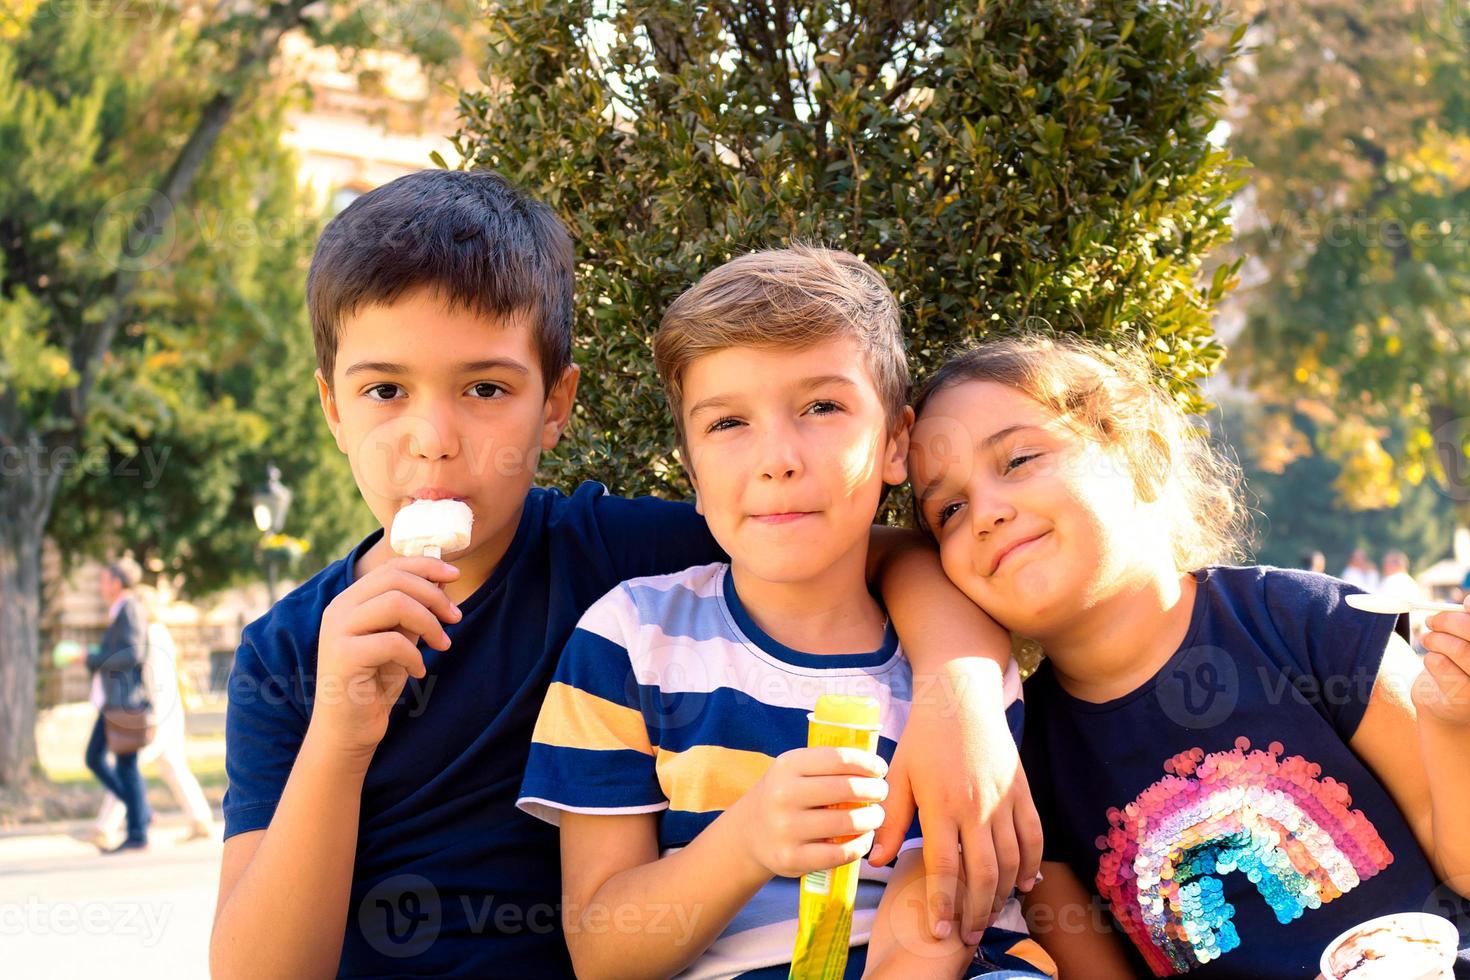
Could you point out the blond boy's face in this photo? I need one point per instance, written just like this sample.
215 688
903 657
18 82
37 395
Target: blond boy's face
428 402
789 451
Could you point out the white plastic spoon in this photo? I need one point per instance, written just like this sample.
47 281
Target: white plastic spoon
1390 605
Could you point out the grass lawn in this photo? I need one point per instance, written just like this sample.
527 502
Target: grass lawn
78 794
209 770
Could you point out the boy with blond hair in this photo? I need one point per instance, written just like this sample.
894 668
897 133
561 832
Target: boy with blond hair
670 747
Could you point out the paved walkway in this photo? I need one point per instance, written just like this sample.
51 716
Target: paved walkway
67 911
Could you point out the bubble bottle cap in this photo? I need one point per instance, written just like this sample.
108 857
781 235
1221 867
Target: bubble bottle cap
848 710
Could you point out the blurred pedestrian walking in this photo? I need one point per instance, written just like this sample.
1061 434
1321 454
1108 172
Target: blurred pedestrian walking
120 695
167 747
1360 571
1398 583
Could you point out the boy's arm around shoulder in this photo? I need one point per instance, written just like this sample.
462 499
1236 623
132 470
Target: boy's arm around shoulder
984 825
284 890
651 536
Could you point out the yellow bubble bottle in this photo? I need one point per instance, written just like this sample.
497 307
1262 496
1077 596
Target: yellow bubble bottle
824 912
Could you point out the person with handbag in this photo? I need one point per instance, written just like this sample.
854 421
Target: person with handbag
124 722
168 749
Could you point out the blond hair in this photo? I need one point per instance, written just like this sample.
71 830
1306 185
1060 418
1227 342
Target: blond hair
1110 396
793 298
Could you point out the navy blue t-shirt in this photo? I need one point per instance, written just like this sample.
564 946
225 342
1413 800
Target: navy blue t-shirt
450 878
1218 808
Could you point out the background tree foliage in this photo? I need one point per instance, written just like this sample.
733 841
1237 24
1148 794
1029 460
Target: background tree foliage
210 385
150 267
998 161
1293 500
1357 121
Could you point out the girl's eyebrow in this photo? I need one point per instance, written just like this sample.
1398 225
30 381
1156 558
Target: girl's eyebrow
989 442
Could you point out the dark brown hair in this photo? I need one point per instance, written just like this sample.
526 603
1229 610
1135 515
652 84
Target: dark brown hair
470 235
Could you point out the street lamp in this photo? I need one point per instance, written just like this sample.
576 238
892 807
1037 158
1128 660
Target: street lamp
270 504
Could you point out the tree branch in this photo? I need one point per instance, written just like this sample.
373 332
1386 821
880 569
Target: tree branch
670 52
93 343
10 420
774 49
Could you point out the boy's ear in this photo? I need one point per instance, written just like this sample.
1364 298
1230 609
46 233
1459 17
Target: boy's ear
896 453
681 453
557 411
329 408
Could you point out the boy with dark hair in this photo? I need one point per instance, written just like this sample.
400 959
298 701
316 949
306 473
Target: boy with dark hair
380 715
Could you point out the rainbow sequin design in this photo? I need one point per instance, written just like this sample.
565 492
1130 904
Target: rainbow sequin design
1272 819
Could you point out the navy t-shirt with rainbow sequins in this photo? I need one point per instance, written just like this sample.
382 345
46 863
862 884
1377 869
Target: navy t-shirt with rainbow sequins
1218 808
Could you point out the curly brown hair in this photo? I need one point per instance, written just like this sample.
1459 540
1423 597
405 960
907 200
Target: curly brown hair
1109 395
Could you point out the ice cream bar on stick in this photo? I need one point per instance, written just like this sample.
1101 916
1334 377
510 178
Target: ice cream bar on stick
431 527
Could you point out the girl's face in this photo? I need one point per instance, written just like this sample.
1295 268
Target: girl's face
1035 521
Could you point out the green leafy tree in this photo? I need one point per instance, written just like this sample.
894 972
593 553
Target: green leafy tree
171 472
1002 163
1357 121
128 323
1298 510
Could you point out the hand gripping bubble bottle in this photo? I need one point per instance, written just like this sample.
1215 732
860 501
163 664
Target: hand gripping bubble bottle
824 912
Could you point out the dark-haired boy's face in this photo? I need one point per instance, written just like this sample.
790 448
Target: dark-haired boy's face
431 402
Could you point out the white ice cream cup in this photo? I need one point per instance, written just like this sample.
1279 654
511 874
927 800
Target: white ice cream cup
1402 946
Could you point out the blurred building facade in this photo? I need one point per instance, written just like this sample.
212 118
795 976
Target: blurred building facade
368 123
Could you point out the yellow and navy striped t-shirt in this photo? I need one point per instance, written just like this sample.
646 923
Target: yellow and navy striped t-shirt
669 699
